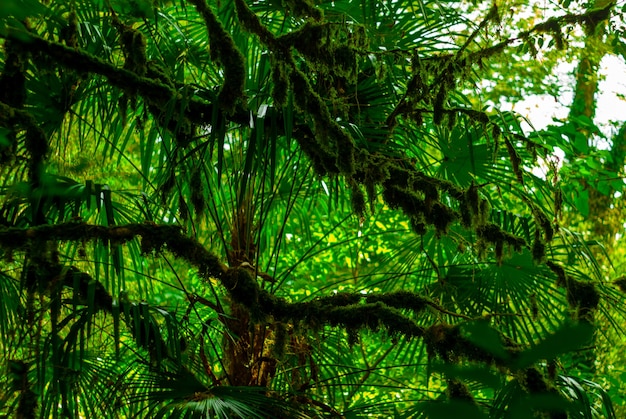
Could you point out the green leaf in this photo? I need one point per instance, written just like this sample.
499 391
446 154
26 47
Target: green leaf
567 339
582 202
485 337
482 375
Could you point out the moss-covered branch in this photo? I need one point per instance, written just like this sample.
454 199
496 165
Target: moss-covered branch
224 50
153 90
352 311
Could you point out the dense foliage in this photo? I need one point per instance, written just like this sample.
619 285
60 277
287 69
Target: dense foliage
305 209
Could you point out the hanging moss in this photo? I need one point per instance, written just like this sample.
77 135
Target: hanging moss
448 343
357 199
244 290
370 190
252 24
593 18
418 225
457 390
621 283
280 88
396 176
441 217
409 202
197 192
224 50
330 136
428 186
515 159
484 212
69 33
38 148
494 234
534 307
541 219
538 249
183 208
533 381
465 214
345 62
496 132
472 201
558 205
400 299
13 78
583 297
134 48
438 110
304 9
372 317
562 277
280 340
551 26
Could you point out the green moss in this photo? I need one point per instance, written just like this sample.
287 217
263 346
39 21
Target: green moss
280 340
400 299
280 88
418 225
328 134
441 217
13 79
559 271
538 250
583 297
134 47
340 299
533 381
438 110
197 192
244 290
621 283
515 160
224 50
252 23
457 390
357 199
542 221
304 9
493 234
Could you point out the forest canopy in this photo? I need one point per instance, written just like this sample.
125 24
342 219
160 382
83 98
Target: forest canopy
308 208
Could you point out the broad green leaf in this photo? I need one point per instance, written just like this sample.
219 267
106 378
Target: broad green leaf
568 338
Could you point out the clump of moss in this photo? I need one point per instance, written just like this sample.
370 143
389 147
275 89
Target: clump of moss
280 340
13 78
197 192
538 249
304 9
448 343
244 290
357 198
224 51
583 297
541 219
493 234
400 299
457 390
280 87
441 217
515 160
621 283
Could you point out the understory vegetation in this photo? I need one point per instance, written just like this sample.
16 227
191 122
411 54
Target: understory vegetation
308 209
